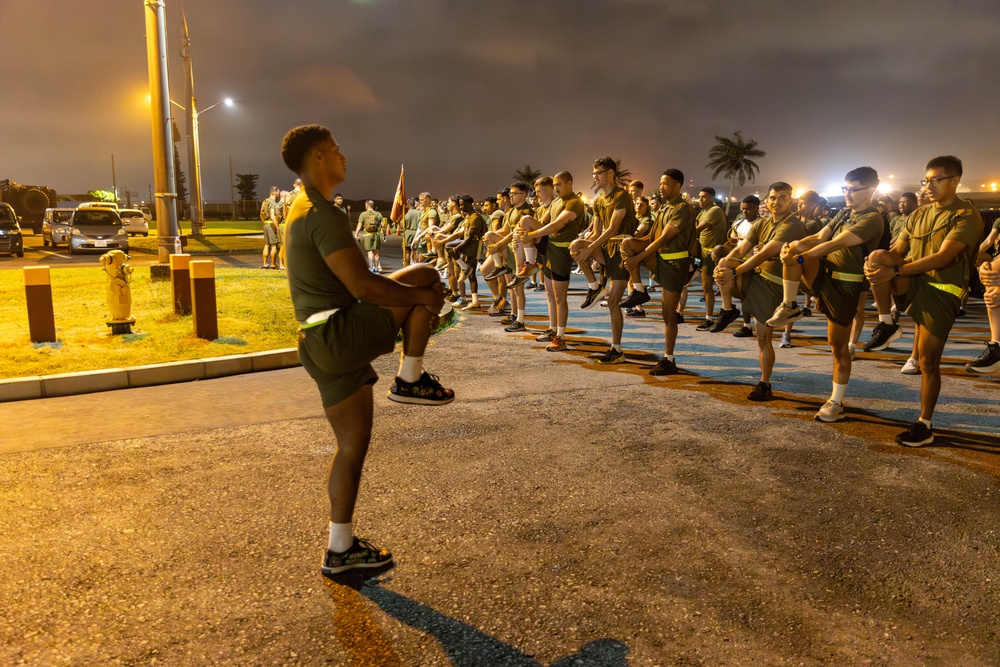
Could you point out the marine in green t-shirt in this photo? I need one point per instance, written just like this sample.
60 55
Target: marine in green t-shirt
713 230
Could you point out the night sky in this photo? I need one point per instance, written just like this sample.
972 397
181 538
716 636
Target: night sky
465 92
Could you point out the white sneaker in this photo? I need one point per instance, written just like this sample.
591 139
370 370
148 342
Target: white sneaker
783 315
852 349
830 412
911 367
786 340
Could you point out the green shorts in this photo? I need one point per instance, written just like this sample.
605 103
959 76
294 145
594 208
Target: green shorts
558 262
371 241
338 353
838 299
672 275
614 268
706 260
930 307
760 296
408 237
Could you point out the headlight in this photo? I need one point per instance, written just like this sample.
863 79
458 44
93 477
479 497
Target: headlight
77 232
121 232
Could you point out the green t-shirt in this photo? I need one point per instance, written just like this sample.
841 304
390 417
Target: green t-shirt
929 226
715 234
371 221
473 227
428 217
314 230
412 220
679 214
604 209
868 225
764 230
513 216
496 220
572 228
813 225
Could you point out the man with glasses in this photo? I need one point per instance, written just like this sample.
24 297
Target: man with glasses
614 218
831 264
757 280
927 274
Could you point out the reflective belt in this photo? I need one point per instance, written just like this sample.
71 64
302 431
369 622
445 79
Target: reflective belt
950 289
847 277
674 255
559 244
770 276
317 319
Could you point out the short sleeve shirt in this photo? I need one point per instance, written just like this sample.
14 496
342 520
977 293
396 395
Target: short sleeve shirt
412 219
371 221
496 220
679 214
572 228
764 230
314 230
868 225
605 206
513 216
715 233
428 217
929 226
473 227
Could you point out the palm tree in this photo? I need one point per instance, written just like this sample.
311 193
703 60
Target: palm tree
622 176
733 160
528 175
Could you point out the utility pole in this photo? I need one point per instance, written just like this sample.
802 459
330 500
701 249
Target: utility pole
232 186
114 180
163 163
194 157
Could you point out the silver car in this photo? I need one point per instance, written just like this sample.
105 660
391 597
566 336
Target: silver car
135 222
55 225
97 229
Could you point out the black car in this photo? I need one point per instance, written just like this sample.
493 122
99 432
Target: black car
11 240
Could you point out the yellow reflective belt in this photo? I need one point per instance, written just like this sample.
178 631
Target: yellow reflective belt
950 289
560 244
770 276
847 277
674 255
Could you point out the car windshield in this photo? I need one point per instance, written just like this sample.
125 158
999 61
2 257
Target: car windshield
132 214
7 219
62 216
95 218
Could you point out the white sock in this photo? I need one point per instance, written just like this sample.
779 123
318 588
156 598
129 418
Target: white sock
639 287
885 319
838 392
530 254
410 368
520 315
926 422
593 285
617 346
341 536
461 263
670 357
497 262
561 332
789 290
475 297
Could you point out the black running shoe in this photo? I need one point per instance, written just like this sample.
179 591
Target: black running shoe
743 332
663 367
917 435
680 318
987 362
593 297
612 356
425 391
514 327
725 319
762 392
636 298
882 335
705 325
496 273
360 554
546 336
635 312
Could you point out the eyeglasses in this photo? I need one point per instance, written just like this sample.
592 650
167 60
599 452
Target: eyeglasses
600 171
936 181
850 191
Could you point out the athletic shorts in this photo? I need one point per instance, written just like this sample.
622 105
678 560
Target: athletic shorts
558 262
338 353
760 295
930 307
468 249
672 275
408 237
372 241
838 299
270 237
706 260
614 268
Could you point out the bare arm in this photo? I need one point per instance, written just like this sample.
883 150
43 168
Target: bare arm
552 227
351 269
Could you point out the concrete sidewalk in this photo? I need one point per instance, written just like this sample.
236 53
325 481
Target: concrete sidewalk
557 513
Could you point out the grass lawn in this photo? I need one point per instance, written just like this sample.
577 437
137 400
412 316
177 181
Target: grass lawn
221 237
254 309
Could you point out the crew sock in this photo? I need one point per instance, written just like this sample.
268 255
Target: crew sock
789 290
885 319
410 368
341 536
839 390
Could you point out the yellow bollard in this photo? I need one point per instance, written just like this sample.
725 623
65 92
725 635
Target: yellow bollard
180 283
38 292
203 306
115 264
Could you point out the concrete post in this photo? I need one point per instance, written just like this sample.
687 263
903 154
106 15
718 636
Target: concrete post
203 306
38 292
180 283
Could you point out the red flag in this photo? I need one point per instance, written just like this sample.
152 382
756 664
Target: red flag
399 201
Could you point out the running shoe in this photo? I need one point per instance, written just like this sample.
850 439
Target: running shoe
705 325
425 391
831 411
612 356
496 273
636 298
663 367
546 336
540 287
558 344
474 306
726 318
466 273
680 318
593 297
635 312
743 332
783 315
507 321
762 392
515 327
916 436
806 312
988 361
882 335
911 367
361 553
786 339
852 350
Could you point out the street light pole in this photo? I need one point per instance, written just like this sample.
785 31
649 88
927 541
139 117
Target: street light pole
194 158
232 191
159 95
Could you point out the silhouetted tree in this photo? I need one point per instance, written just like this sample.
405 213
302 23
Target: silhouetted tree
732 158
527 174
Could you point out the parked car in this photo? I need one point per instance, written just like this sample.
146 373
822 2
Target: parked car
96 229
55 225
11 240
135 222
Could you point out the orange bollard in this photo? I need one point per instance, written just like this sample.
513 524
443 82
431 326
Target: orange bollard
203 306
180 283
38 292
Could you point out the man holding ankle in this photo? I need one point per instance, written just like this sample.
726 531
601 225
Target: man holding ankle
348 317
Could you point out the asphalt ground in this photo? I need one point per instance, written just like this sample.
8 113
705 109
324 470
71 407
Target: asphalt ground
557 513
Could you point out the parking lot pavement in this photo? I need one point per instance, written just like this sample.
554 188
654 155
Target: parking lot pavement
557 513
